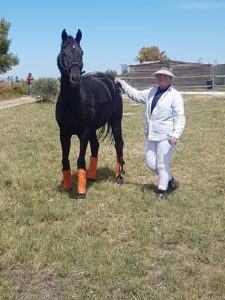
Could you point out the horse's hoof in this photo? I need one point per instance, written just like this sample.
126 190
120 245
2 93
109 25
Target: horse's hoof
119 180
81 197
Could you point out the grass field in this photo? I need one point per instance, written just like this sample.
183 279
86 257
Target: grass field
119 243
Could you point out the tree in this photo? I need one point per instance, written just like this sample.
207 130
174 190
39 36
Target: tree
151 54
111 72
125 71
7 60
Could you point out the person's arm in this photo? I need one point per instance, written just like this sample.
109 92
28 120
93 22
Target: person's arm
132 93
178 118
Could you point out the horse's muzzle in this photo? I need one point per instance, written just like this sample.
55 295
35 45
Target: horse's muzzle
75 81
75 75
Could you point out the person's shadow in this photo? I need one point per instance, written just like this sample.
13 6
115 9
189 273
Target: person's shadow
145 187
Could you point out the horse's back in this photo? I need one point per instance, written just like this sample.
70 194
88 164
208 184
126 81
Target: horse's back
99 76
103 95
104 84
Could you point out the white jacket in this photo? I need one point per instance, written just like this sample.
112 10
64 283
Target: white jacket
168 115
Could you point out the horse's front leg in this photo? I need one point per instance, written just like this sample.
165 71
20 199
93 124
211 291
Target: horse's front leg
81 165
94 144
65 140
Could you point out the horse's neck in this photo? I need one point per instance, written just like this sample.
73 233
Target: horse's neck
67 90
65 81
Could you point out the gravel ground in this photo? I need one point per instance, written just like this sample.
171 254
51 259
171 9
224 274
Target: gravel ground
10 103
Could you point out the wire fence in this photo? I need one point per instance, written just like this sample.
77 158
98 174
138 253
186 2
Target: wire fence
4 79
10 79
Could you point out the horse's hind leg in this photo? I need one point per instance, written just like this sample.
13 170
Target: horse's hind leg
65 144
117 134
94 144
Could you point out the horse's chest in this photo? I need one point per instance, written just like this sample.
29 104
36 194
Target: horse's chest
72 119
69 117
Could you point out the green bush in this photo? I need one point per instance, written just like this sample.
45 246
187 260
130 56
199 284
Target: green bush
46 88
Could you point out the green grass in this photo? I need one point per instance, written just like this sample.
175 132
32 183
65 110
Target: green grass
119 243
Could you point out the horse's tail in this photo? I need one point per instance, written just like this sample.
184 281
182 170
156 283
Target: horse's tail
104 132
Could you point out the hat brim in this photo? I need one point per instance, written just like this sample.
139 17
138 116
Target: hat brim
164 72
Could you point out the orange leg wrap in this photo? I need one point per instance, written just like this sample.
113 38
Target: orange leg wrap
81 181
92 168
67 180
119 167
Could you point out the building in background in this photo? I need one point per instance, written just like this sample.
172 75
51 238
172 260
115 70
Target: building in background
188 75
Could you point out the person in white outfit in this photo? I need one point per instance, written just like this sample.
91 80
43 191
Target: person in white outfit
164 124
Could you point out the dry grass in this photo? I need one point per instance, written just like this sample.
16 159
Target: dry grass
12 91
119 243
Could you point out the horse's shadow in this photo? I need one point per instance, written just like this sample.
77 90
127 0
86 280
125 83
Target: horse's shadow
103 175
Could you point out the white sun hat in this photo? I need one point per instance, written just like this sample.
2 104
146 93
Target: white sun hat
165 71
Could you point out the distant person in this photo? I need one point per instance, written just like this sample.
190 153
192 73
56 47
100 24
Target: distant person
30 80
164 124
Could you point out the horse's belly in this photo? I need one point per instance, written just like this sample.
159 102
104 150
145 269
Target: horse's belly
104 115
70 125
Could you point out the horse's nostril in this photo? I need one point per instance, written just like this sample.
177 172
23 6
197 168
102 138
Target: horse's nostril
75 80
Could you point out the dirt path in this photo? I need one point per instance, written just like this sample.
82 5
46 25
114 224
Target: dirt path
222 94
10 103
23 100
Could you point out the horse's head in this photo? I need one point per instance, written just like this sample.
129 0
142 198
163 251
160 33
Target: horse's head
70 57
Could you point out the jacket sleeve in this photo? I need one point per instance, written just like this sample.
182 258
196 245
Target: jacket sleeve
134 94
178 116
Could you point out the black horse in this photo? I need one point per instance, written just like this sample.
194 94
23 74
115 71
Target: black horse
86 103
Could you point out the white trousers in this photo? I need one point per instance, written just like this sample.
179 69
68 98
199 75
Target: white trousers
158 157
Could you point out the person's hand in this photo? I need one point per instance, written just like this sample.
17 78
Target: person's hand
117 81
173 140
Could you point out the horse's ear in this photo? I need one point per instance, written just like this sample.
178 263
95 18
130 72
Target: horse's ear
64 35
78 36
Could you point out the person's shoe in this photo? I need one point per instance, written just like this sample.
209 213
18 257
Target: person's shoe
172 185
161 195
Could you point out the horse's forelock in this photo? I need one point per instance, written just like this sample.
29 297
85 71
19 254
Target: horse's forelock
68 41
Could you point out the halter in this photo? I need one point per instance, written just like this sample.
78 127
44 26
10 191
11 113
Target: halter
73 63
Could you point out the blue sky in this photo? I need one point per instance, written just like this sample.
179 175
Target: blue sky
113 31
